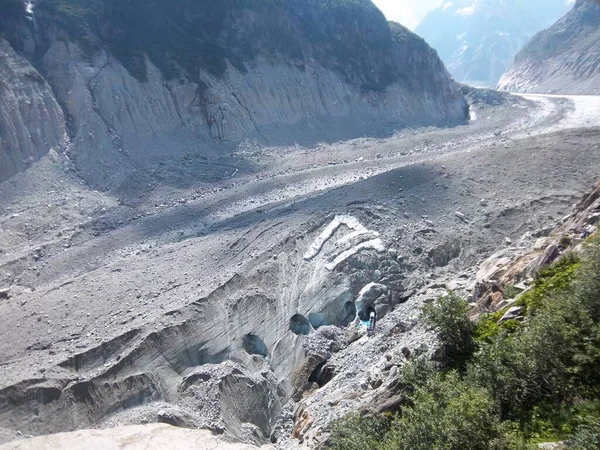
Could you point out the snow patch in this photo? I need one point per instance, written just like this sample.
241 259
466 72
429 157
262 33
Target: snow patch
350 221
472 114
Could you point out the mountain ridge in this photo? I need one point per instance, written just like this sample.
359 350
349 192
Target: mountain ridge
561 59
480 39
126 77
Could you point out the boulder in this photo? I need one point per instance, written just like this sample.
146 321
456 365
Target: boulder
303 424
461 216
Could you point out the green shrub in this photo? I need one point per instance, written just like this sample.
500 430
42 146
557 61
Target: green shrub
488 326
550 281
448 317
447 414
551 422
510 291
586 437
356 432
416 373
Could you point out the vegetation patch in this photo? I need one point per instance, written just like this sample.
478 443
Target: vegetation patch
510 291
489 326
550 281
12 7
183 37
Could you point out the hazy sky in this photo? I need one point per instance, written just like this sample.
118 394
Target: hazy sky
408 12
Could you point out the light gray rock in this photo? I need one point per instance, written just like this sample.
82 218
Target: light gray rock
512 313
133 437
461 216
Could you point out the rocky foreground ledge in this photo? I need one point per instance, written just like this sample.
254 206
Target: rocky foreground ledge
136 437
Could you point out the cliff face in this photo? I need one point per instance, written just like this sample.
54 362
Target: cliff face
31 121
479 39
565 58
143 81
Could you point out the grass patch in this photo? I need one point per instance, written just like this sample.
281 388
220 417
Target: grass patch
549 282
510 291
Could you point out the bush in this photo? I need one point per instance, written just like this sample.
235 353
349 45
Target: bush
356 432
416 373
510 291
507 371
448 317
447 414
552 360
586 437
488 326
550 281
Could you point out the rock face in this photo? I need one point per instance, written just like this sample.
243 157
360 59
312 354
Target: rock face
143 81
31 121
479 39
564 59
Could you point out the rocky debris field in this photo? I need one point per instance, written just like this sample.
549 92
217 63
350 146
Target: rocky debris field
146 437
231 305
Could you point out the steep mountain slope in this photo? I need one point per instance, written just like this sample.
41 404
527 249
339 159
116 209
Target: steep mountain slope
141 82
565 58
31 121
479 39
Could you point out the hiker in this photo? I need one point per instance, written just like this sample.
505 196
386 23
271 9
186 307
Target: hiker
372 323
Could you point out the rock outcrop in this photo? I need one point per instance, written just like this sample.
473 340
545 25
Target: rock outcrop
563 59
143 82
518 269
479 39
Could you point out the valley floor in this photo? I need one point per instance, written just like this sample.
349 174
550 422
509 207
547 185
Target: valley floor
86 269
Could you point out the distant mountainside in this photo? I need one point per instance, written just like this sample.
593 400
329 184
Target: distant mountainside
125 84
478 39
565 58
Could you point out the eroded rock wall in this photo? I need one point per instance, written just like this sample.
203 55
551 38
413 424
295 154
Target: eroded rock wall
31 120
